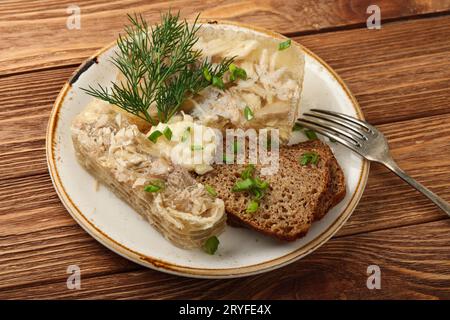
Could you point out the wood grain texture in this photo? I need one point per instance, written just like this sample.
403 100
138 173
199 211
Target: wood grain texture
399 72
414 263
37 31
38 236
400 75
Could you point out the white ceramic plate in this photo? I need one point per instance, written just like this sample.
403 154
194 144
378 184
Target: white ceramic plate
241 252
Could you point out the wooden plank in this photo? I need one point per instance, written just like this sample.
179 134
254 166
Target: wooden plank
414 263
395 76
35 229
27 99
421 153
38 239
55 45
414 83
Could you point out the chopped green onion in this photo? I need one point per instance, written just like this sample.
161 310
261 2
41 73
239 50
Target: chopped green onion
218 82
211 245
252 206
258 194
241 73
248 113
211 190
167 133
224 158
309 158
304 160
236 147
248 171
284 45
195 147
260 184
154 136
297 127
154 186
207 74
254 185
236 72
185 135
315 159
232 69
311 134
243 185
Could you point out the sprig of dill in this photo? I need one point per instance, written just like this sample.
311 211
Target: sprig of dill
160 66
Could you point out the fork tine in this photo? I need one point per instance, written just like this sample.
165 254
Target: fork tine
329 133
356 131
335 129
348 118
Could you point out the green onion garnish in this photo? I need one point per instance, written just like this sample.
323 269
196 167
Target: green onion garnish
236 147
252 206
257 194
211 190
232 69
254 185
195 147
167 133
311 134
185 135
241 73
236 72
248 171
248 113
218 82
284 45
154 186
207 74
297 127
309 158
211 245
260 184
243 185
154 136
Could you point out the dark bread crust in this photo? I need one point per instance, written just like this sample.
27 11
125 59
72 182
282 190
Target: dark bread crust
337 187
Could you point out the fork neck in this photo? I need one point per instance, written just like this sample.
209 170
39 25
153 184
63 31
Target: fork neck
438 201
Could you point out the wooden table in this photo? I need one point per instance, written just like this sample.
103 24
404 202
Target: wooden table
399 74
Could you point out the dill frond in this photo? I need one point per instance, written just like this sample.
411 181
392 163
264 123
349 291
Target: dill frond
160 67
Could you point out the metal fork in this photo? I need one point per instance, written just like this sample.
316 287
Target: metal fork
364 139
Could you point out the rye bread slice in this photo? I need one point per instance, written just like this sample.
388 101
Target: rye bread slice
338 183
295 195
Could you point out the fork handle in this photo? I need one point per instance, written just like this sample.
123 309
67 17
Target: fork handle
441 203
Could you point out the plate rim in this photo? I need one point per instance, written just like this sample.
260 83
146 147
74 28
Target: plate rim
172 268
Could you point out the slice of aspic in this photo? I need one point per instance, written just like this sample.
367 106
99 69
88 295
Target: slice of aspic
109 144
271 90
